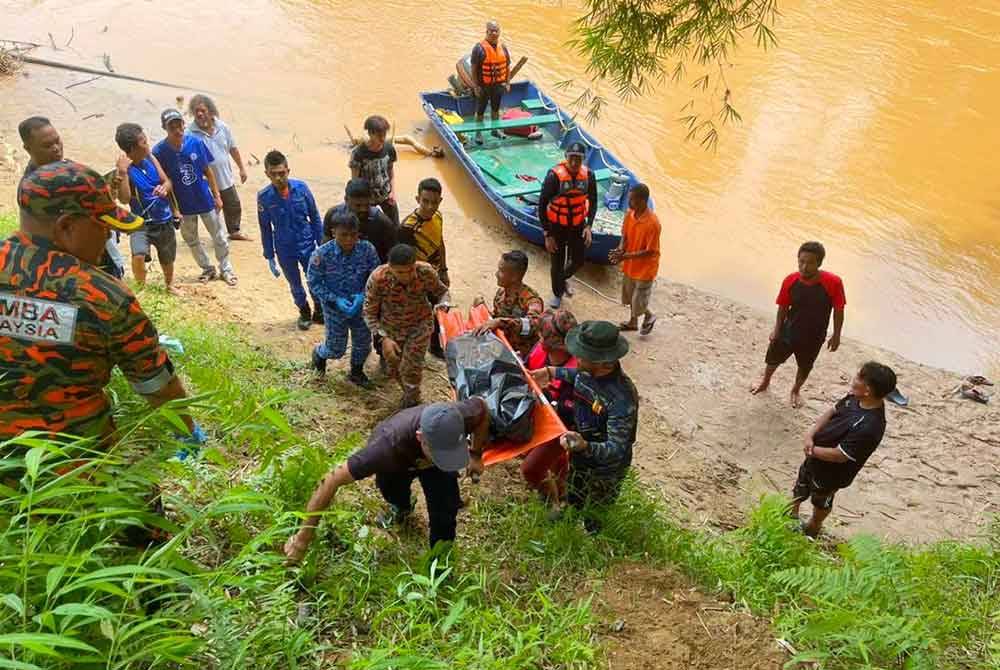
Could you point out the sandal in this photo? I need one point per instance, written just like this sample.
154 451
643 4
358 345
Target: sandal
626 327
647 325
978 380
230 278
437 152
973 393
897 398
207 275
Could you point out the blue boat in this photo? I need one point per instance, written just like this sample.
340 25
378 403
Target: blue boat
509 170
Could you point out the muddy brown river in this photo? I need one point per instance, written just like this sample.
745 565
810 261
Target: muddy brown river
870 127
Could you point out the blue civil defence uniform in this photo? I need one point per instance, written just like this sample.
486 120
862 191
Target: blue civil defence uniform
334 274
290 229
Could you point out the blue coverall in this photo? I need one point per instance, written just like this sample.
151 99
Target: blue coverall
291 229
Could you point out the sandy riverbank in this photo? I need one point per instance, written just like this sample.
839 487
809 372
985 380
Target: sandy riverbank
704 441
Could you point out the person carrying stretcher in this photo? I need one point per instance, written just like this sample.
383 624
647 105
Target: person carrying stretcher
605 417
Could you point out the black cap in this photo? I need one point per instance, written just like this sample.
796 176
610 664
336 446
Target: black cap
576 148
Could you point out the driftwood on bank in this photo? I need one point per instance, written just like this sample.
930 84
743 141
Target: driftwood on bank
89 70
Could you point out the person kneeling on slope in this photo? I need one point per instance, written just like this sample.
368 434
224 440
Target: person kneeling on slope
426 442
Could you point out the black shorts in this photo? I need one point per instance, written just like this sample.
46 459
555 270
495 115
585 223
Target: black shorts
805 352
489 95
807 487
162 236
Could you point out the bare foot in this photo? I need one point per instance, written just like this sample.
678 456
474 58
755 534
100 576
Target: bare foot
796 399
760 387
173 290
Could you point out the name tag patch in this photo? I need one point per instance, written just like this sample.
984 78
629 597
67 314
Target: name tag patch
26 318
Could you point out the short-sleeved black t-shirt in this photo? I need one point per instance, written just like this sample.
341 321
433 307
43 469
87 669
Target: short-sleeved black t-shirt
377 229
809 305
393 446
854 430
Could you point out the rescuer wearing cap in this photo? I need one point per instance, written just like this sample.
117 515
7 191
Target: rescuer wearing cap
426 442
567 206
64 325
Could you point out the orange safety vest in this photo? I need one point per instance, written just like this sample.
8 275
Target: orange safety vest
495 63
571 205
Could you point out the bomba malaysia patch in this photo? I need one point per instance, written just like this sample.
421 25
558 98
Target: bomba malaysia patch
25 318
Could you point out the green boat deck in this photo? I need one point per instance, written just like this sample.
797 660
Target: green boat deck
515 168
536 120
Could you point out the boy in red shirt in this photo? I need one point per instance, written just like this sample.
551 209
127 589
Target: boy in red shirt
804 302
639 254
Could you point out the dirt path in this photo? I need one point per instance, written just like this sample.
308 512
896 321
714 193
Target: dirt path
662 623
704 441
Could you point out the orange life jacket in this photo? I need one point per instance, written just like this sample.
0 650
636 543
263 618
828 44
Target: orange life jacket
495 64
571 205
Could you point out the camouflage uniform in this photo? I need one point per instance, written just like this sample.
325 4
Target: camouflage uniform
65 324
606 415
519 312
404 313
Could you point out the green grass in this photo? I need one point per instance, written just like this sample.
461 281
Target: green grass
511 595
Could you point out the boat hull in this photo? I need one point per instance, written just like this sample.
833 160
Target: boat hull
521 216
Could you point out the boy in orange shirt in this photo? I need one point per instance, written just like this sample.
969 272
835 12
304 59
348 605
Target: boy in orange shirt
639 254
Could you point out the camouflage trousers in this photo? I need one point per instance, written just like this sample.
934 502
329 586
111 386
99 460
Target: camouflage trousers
408 369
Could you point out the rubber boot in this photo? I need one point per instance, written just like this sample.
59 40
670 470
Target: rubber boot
305 318
411 398
435 349
359 378
318 363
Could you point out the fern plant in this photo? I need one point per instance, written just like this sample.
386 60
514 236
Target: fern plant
862 609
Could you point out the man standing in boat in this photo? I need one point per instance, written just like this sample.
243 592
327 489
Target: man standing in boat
567 206
491 69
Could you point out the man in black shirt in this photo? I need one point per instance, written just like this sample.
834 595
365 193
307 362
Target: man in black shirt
426 442
841 442
374 226
373 160
567 206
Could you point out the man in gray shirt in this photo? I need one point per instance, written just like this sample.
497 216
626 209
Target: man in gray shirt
221 143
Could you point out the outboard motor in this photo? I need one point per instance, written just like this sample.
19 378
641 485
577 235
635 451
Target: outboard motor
615 192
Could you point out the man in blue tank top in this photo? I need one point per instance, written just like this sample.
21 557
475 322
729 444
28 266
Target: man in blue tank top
147 190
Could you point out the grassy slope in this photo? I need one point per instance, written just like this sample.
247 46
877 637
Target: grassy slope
509 596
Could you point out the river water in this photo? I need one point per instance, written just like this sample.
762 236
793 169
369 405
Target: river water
870 127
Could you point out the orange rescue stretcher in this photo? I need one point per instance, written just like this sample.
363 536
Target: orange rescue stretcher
548 425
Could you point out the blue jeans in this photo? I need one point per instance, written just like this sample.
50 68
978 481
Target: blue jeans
290 268
338 325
